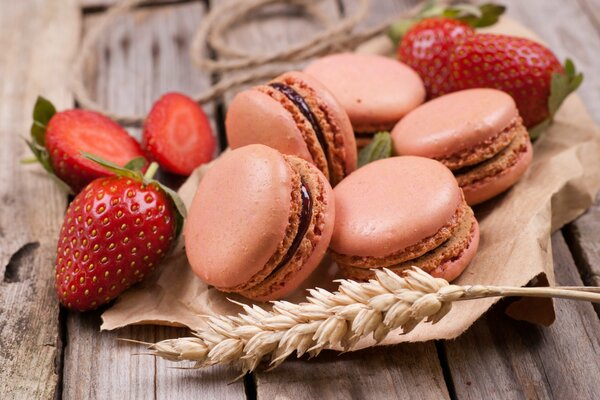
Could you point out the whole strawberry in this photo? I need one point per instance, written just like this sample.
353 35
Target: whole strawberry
59 138
116 231
525 69
427 47
426 41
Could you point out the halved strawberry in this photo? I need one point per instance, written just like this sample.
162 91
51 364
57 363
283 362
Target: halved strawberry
59 138
178 135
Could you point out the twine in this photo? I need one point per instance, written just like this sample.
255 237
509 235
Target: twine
337 35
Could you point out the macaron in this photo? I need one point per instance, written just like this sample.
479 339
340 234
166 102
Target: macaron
399 212
296 115
375 91
260 223
477 133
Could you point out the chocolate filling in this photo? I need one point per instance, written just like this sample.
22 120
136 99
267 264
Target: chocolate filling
299 102
305 217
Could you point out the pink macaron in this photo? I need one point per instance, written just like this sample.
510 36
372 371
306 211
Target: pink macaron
296 115
399 212
260 223
477 133
375 91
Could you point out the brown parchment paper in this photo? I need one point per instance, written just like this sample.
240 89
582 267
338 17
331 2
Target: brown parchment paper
515 245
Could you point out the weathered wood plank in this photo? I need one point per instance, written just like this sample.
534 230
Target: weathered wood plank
143 56
409 371
502 358
37 49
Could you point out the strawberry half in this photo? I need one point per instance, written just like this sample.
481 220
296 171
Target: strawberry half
116 231
177 134
59 138
525 69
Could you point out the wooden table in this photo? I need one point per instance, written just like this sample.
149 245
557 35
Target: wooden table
46 352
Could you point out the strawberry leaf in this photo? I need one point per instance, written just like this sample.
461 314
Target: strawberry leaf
563 84
477 16
137 164
114 168
41 155
379 148
43 111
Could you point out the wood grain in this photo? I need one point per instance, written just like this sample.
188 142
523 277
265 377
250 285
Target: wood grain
143 56
31 206
502 358
402 371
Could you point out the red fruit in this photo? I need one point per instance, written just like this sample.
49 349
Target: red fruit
71 132
178 135
115 232
427 46
518 66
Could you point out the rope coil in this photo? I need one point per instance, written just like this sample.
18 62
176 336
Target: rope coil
337 35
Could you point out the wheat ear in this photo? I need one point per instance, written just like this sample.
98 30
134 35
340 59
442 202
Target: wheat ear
341 318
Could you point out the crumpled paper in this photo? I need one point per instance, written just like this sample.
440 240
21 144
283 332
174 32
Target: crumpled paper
515 247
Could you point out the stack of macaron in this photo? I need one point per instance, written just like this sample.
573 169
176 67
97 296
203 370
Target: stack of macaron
267 211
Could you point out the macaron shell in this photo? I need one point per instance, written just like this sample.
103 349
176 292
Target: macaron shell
328 217
451 270
388 205
254 117
336 114
374 90
493 186
250 185
454 122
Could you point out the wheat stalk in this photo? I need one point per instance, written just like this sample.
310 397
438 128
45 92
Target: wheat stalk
341 318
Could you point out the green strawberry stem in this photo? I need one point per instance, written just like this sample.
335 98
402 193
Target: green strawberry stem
561 86
477 16
151 171
132 170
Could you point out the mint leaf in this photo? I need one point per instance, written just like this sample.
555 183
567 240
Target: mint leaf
379 148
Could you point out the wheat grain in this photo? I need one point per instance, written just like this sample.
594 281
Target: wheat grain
342 318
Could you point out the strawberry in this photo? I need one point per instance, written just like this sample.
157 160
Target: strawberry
426 41
527 70
178 135
427 46
116 231
59 138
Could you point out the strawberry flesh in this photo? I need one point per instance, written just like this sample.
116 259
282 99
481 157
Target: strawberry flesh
116 231
71 132
177 134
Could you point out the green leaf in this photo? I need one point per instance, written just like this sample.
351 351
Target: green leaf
561 85
114 168
136 164
43 111
379 148
477 16
41 155
536 131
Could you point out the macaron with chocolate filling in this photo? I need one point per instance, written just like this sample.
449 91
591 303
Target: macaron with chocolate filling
375 91
399 212
296 115
260 223
477 133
